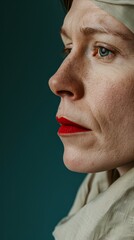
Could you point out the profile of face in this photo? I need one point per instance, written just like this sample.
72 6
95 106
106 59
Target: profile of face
96 85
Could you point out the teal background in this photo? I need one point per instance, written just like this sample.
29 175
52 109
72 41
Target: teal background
36 189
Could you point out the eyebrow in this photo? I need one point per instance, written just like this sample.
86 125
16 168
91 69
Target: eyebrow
87 31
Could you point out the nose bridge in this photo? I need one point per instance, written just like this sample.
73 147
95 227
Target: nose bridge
66 81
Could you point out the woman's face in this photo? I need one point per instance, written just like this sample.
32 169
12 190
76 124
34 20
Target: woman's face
96 85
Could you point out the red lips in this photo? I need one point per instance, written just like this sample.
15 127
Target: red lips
69 127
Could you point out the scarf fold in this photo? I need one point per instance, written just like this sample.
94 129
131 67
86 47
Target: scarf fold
122 10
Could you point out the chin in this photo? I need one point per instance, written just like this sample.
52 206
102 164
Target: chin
88 162
73 161
79 163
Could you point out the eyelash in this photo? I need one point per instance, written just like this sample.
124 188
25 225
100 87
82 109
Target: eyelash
66 51
96 51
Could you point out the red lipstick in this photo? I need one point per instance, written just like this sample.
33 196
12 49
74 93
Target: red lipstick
69 127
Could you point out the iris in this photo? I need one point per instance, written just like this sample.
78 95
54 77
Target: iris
104 52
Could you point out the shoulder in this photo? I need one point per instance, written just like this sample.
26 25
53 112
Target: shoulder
107 215
91 187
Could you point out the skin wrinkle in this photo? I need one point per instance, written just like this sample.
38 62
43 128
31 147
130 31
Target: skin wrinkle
102 90
103 30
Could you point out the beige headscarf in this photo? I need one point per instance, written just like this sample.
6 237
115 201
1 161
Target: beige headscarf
122 10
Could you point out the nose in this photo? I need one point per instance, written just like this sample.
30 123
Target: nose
66 82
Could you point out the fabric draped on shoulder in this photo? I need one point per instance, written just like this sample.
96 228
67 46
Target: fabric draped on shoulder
101 211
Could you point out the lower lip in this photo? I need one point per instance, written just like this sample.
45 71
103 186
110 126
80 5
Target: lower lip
68 129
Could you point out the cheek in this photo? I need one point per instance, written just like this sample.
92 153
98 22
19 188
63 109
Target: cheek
113 101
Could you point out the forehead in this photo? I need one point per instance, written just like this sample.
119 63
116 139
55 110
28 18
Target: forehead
84 13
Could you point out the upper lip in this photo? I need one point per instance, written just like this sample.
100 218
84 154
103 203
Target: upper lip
67 122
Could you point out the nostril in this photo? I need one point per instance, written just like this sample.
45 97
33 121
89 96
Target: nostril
63 93
66 86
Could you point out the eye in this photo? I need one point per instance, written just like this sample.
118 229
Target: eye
103 53
66 51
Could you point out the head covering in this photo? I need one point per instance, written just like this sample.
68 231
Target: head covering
122 10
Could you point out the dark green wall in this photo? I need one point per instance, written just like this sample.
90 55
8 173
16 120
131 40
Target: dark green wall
36 189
